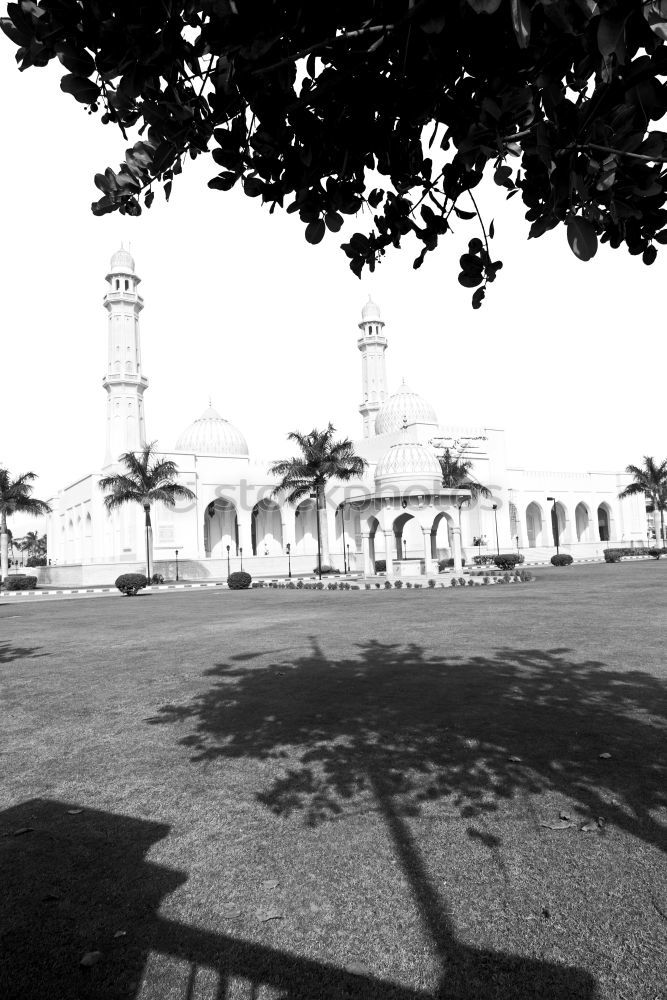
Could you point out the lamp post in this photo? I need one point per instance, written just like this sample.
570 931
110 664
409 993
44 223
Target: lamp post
405 548
176 551
518 551
288 549
554 522
349 568
341 509
495 517
228 566
241 555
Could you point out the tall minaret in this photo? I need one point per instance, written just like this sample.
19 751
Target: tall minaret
124 383
372 343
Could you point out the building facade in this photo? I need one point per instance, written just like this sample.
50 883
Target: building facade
397 512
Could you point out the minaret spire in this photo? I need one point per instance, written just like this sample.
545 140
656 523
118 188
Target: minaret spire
372 343
124 382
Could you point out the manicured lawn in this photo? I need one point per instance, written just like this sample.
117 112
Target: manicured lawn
332 795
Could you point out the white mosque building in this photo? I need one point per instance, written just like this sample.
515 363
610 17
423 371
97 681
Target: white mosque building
399 512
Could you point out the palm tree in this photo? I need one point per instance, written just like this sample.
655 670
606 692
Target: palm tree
651 481
322 460
31 542
456 475
146 479
16 498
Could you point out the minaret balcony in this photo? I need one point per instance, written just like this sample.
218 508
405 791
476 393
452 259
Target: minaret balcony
115 297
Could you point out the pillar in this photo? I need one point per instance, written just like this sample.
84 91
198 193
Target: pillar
428 557
456 548
389 541
369 568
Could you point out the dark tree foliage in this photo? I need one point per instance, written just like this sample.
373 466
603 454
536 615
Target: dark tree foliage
386 109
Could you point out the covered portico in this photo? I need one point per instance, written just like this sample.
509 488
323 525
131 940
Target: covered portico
408 509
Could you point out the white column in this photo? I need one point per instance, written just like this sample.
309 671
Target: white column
428 558
389 549
369 568
456 548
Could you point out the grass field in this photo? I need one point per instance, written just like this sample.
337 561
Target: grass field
310 795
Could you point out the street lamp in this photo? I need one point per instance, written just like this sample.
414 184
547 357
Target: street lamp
495 517
518 551
554 522
176 551
288 549
341 510
405 548
241 555
349 568
228 566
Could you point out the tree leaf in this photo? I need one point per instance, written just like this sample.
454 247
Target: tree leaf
77 61
90 958
582 238
333 221
84 90
315 231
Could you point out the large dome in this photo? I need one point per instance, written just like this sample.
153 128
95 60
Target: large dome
211 434
410 463
403 409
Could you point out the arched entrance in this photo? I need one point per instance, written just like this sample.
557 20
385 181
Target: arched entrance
582 522
604 522
221 528
441 536
534 525
408 538
305 529
266 529
373 525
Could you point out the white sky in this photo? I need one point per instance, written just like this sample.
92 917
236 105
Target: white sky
567 357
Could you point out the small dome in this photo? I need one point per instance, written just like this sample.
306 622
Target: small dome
412 463
370 312
403 409
211 434
122 260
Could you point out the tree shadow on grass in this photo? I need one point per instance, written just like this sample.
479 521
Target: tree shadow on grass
72 880
393 728
9 652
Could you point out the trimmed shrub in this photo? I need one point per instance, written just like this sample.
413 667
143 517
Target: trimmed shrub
332 586
355 586
299 584
131 583
471 582
638 551
36 561
380 565
611 556
20 582
562 559
156 578
327 569
398 584
319 585
431 583
291 585
378 585
409 585
485 579
387 584
448 564
239 581
656 553
455 582
525 575
508 560
366 585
